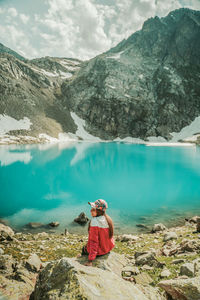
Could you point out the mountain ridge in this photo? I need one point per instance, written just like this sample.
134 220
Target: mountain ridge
146 86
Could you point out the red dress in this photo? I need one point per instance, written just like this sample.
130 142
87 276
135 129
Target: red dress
99 242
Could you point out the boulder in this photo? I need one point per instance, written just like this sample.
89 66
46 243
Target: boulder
158 227
170 236
68 279
81 219
182 289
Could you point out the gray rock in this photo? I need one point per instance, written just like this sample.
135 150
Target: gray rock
82 219
33 263
129 271
178 261
187 289
129 237
158 227
165 273
146 259
54 224
188 269
170 236
68 279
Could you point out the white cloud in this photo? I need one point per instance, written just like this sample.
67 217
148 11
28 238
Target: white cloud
12 11
24 18
81 28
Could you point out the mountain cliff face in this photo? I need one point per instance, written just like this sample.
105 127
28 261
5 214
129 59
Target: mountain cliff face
148 85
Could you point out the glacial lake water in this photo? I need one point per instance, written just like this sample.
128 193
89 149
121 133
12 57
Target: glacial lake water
141 184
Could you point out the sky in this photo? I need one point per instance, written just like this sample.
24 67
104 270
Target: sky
76 28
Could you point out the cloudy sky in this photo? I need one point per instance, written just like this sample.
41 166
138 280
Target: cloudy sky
76 28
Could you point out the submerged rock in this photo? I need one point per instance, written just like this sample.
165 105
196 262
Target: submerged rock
34 225
82 219
54 224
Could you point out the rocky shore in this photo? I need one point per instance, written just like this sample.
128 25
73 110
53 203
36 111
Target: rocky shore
163 264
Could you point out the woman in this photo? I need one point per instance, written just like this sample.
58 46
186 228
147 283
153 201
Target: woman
101 230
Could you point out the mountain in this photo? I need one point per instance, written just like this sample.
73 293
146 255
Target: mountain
146 86
30 91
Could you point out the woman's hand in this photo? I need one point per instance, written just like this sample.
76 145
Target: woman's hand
88 263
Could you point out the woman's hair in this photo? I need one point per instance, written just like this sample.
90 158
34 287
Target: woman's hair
109 220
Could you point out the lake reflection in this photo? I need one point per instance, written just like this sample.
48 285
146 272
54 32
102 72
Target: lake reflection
54 182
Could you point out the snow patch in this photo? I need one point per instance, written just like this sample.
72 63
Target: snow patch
116 55
111 86
130 139
8 123
127 95
65 75
81 132
168 144
187 131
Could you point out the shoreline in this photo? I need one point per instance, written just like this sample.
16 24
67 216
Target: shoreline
7 140
155 256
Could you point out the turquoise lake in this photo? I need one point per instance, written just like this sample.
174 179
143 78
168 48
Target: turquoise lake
141 184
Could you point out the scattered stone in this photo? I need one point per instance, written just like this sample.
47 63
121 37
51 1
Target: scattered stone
1 251
178 261
183 289
193 219
158 227
147 258
187 269
129 237
143 279
170 236
54 224
81 219
129 271
198 224
33 263
146 268
165 273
